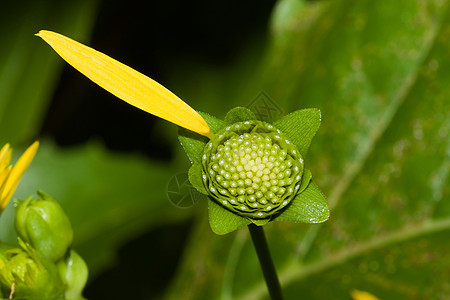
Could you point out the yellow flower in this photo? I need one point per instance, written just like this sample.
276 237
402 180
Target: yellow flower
126 83
9 175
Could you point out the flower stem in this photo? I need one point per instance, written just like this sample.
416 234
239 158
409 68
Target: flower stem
265 260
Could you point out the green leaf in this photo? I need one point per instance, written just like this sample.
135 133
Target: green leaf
195 177
29 72
301 126
239 114
222 221
382 156
193 143
309 206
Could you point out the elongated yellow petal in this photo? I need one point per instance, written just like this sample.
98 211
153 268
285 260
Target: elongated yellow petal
5 156
3 176
126 83
16 173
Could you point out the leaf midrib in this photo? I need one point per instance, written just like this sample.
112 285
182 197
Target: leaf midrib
298 271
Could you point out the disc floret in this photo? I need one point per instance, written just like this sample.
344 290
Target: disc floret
252 169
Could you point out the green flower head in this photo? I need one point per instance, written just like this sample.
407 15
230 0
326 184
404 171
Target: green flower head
253 171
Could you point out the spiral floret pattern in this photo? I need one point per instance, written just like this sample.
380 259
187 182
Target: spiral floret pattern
252 169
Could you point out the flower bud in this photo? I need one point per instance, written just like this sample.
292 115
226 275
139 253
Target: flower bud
4 290
23 275
74 273
43 224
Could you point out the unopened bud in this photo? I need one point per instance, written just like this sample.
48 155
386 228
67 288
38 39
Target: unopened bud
43 224
74 273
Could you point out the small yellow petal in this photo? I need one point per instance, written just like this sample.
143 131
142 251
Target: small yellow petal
3 176
16 173
5 156
126 83
361 295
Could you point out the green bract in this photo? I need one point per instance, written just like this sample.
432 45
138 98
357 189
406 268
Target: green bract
74 274
253 171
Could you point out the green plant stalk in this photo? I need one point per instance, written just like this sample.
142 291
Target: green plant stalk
265 260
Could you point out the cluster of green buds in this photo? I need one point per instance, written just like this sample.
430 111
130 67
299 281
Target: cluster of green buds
44 266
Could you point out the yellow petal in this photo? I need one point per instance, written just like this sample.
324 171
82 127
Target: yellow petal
362 295
3 176
5 156
16 173
126 83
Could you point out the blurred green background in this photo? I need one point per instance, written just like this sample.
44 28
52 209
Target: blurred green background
378 70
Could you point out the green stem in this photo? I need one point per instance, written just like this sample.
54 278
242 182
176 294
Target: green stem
265 260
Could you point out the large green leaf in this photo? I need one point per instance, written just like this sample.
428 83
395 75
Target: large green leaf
379 72
28 71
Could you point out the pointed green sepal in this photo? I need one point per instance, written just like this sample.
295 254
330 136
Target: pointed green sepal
222 221
300 126
260 222
195 178
239 114
306 179
310 206
193 143
5 247
214 123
